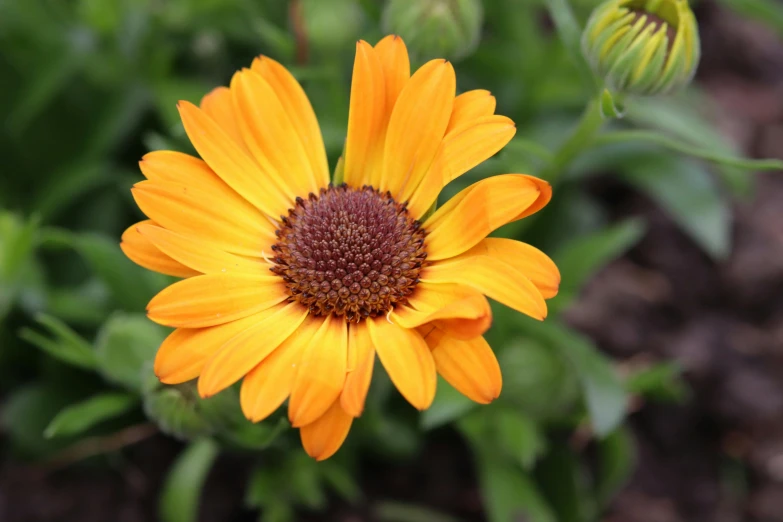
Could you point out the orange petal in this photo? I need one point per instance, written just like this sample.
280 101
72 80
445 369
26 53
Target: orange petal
493 278
456 308
143 252
475 212
532 262
361 359
231 162
212 299
470 366
199 255
267 385
396 66
185 351
297 106
460 151
321 373
407 360
417 126
225 223
219 105
245 351
323 437
469 107
366 118
271 137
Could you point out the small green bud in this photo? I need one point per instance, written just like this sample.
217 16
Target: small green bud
331 26
643 47
180 412
435 28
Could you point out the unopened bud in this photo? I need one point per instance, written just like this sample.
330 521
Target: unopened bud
643 47
435 28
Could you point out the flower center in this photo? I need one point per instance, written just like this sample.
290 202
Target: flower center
349 252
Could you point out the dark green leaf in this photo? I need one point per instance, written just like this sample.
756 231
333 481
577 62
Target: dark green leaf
604 394
617 458
66 345
125 344
179 501
82 416
580 259
660 382
519 436
688 194
510 494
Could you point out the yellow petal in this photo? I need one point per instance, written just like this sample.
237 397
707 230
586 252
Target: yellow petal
465 313
417 126
183 169
361 359
271 137
475 212
143 252
366 118
224 223
468 365
219 105
185 351
246 350
299 110
323 437
460 151
232 163
321 374
393 56
493 278
469 107
545 194
532 262
212 299
199 255
269 384
407 360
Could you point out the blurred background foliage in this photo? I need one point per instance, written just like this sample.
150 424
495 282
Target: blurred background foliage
89 86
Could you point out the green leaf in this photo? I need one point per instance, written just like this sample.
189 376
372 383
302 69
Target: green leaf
26 413
17 240
510 494
449 404
580 259
604 394
67 345
519 436
179 501
688 194
124 345
660 382
341 480
80 417
403 512
616 457
768 12
130 285
253 436
561 477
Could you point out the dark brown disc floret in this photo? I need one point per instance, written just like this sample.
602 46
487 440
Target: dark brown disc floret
349 252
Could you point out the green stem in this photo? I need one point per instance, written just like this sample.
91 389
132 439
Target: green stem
581 137
690 150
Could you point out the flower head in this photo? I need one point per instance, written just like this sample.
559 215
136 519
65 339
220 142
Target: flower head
294 285
644 47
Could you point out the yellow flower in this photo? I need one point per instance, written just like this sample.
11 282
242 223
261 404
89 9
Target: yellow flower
294 285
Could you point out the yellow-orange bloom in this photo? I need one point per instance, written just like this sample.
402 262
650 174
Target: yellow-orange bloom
293 285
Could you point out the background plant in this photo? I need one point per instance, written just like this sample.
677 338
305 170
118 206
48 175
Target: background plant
89 86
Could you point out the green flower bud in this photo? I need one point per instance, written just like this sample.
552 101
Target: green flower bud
180 412
435 28
644 47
